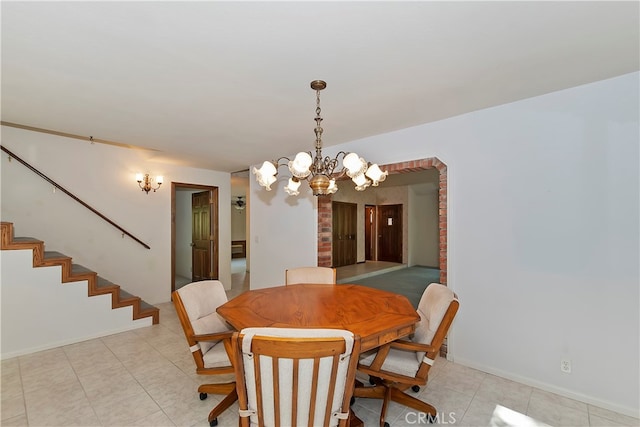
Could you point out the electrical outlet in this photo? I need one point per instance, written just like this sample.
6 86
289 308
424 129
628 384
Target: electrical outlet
565 366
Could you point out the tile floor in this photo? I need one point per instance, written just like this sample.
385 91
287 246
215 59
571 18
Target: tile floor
146 377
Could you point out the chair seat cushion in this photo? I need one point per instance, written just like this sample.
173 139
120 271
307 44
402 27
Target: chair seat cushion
216 356
397 361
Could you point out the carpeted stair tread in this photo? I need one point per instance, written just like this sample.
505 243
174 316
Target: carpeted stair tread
102 282
54 255
79 269
144 306
26 239
124 295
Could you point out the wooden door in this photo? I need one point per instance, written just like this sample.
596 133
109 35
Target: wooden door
369 232
390 233
344 233
202 244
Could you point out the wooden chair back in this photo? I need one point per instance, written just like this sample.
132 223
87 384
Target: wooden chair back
201 324
295 377
209 340
324 275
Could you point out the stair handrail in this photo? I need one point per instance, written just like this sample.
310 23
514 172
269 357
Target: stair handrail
73 196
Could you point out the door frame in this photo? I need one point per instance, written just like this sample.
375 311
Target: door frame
371 242
214 226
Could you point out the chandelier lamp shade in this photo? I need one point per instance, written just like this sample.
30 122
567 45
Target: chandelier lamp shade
144 182
320 172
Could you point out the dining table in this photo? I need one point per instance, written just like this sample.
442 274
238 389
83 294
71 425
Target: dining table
377 316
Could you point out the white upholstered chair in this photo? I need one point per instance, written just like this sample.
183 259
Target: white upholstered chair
209 339
324 275
401 364
295 377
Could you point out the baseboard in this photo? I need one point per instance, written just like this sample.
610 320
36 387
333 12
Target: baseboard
141 324
632 412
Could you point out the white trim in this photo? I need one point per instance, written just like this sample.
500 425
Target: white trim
141 323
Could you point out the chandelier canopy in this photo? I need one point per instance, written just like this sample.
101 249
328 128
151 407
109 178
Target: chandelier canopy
321 173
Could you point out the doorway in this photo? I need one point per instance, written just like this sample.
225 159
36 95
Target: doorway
369 233
325 232
345 230
194 233
390 233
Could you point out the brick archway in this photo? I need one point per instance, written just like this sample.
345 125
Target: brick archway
325 223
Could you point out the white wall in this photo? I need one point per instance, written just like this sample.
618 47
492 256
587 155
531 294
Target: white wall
104 177
40 312
423 225
238 224
543 200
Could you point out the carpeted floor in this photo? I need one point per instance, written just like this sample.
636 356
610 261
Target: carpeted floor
410 282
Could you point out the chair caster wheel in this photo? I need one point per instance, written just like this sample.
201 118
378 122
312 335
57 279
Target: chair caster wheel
415 388
352 401
203 396
372 380
213 422
386 424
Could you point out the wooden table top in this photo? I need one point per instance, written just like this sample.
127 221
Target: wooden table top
377 316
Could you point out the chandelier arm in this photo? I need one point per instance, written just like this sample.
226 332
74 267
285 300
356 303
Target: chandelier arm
277 163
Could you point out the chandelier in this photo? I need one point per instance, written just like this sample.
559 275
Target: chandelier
321 173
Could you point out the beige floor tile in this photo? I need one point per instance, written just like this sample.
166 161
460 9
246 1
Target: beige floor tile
192 412
167 393
98 385
447 401
504 392
12 406
542 397
126 409
157 419
556 413
19 421
597 413
9 367
461 380
61 407
11 383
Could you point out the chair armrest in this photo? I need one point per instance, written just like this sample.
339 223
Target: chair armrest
214 337
391 376
412 346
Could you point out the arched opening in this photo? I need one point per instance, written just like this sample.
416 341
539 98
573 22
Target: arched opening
325 223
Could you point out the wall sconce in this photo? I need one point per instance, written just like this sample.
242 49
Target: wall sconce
239 204
144 182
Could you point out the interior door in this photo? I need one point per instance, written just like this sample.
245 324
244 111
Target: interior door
344 233
202 244
369 232
390 233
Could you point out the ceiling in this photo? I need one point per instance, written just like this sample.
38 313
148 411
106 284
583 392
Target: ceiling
224 85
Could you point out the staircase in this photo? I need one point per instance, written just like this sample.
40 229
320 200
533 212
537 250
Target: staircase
75 273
